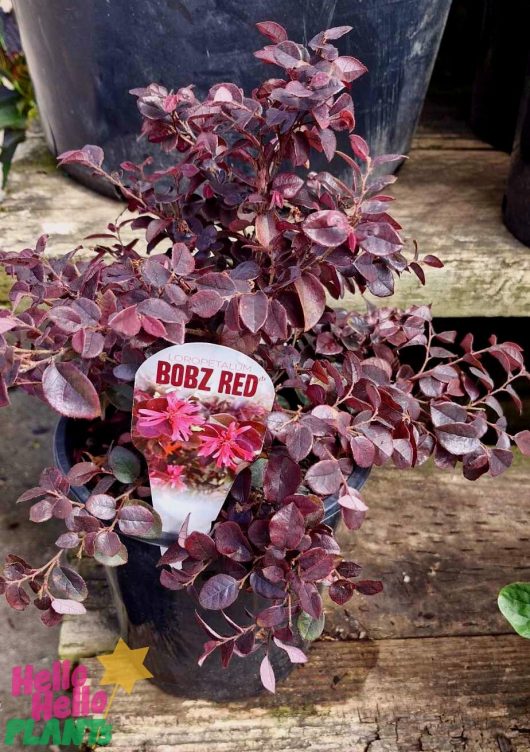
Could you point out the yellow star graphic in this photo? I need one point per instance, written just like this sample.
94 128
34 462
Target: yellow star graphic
124 667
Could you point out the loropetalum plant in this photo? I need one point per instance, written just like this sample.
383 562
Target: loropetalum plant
244 246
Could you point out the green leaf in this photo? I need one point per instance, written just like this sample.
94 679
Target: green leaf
125 465
12 138
309 628
112 561
257 470
121 396
11 117
514 604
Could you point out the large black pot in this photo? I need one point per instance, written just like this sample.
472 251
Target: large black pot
85 56
502 54
151 615
516 206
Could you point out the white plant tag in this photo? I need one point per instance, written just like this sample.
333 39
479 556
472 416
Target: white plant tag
199 418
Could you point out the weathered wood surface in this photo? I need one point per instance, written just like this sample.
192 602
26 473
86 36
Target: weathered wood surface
385 696
443 547
449 197
436 669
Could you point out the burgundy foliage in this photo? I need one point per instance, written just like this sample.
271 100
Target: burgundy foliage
245 245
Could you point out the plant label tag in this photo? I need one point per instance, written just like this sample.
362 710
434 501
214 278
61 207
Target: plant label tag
199 418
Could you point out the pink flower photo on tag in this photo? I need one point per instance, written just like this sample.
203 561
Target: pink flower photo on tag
199 418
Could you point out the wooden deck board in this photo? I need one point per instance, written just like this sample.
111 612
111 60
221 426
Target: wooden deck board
437 667
443 546
449 197
384 696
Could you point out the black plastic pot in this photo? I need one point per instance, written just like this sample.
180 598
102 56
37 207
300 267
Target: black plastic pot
84 57
502 54
151 615
516 206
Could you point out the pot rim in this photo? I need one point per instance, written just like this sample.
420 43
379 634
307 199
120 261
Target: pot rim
63 463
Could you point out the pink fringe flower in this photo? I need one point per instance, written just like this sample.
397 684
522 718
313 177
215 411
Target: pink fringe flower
226 444
183 416
173 476
154 421
169 417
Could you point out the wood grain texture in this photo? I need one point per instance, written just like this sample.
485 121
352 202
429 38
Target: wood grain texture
436 669
449 201
449 198
385 696
443 546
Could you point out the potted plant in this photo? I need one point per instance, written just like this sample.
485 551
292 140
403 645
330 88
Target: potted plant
515 206
111 47
244 246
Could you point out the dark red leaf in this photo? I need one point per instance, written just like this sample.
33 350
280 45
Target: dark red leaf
231 542
182 260
272 31
363 451
87 343
310 599
299 441
70 392
107 543
126 322
16 597
253 310
102 506
206 303
341 591
282 477
172 580
327 228
68 540
134 519
64 582
316 564
369 587
273 616
325 477
349 569
287 527
266 673
200 546
81 473
522 439
219 592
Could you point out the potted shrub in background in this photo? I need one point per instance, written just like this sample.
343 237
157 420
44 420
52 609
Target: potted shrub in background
500 70
516 211
111 47
245 243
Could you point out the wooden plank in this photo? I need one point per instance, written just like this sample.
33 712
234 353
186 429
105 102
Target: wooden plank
40 199
443 546
449 196
449 201
441 671
391 695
